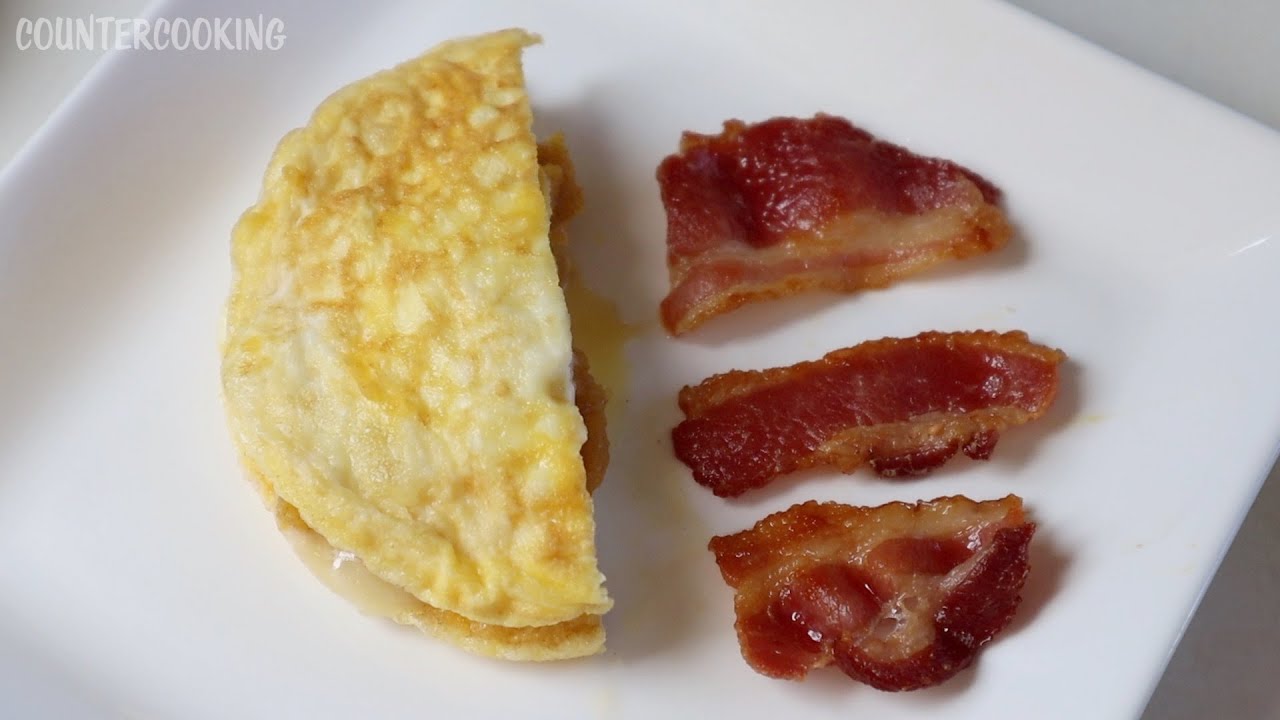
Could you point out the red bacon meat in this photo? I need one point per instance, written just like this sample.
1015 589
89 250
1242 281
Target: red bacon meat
786 205
899 596
904 406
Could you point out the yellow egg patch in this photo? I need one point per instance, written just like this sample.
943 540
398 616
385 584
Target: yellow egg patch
397 357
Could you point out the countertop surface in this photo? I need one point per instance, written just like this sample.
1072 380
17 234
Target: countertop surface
1227 50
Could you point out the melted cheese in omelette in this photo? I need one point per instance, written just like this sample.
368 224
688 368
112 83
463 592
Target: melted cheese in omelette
397 352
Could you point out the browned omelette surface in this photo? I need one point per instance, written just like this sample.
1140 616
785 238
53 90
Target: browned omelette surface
397 358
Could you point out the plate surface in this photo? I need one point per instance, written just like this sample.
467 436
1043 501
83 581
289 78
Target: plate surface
143 578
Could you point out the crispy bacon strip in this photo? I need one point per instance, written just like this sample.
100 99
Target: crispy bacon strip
905 406
786 205
899 596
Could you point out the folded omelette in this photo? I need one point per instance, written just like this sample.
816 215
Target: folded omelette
398 368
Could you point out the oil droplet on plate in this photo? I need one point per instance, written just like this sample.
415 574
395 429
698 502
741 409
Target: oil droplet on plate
599 331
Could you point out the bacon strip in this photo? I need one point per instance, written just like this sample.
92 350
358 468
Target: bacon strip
905 406
899 596
787 205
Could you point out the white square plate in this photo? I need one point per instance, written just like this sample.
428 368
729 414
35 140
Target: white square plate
141 577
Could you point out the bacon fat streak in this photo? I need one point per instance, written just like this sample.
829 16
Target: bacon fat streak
786 205
904 406
899 596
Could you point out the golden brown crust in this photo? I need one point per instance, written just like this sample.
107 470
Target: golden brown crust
564 191
564 197
591 399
